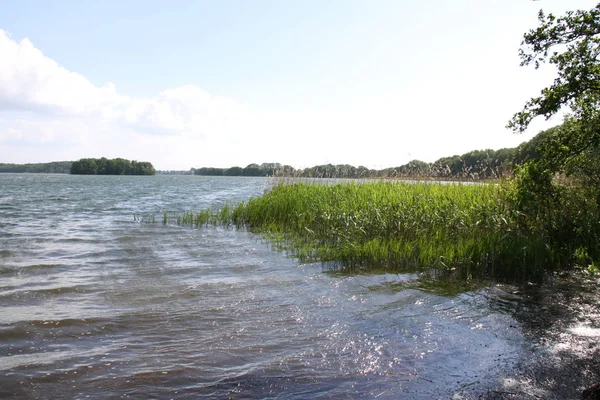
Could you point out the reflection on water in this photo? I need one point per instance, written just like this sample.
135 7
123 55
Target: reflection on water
96 305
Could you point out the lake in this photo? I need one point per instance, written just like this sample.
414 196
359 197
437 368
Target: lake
98 304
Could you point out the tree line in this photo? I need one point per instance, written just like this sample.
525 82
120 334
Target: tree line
116 166
55 167
474 165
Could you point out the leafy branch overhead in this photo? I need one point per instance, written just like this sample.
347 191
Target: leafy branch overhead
572 43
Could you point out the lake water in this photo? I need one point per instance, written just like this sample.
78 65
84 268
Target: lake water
96 304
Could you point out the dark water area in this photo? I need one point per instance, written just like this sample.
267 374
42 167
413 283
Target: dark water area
96 304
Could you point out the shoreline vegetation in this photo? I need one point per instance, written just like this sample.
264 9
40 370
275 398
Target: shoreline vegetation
540 216
116 166
84 166
55 167
476 165
543 213
545 217
464 230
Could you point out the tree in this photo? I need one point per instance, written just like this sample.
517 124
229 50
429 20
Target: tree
234 171
572 44
85 166
269 169
577 86
567 218
252 170
117 166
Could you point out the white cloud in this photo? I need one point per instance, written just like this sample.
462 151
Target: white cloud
32 82
44 104
44 132
184 110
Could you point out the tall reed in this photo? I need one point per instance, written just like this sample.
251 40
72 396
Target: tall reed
468 228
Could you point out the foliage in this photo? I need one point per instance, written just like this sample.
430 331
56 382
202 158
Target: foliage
117 166
234 171
566 217
85 166
209 171
265 169
474 165
393 226
564 212
486 231
572 44
517 229
56 167
477 164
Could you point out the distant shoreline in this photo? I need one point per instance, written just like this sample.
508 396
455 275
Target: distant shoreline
476 165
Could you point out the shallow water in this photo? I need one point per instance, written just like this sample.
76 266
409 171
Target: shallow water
95 304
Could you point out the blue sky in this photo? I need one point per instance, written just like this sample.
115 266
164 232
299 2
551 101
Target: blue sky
220 83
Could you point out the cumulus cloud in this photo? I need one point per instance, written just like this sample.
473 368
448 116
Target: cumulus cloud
186 110
44 106
32 82
64 132
194 120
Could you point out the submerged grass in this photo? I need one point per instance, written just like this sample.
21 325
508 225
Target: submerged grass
470 230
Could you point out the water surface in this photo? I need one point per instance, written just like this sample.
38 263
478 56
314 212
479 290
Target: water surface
96 304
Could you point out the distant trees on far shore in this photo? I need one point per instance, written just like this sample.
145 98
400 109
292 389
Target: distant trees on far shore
116 166
474 165
265 169
55 167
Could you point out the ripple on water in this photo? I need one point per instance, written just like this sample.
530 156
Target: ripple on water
7 253
97 305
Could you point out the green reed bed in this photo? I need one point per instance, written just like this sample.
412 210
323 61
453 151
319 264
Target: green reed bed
466 228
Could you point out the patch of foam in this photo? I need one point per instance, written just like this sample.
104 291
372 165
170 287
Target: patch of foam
527 386
587 331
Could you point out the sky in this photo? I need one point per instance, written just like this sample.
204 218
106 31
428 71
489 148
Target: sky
226 83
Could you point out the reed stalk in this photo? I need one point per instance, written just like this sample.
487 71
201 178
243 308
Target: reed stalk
472 229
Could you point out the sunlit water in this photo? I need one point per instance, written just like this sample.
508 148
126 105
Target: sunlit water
96 304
